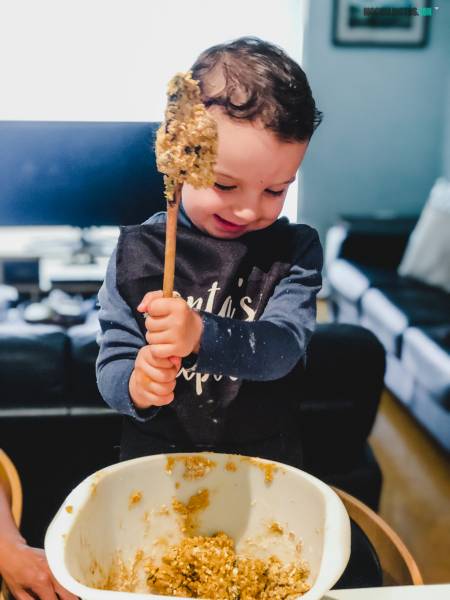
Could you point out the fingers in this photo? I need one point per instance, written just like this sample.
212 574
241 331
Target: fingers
62 592
146 353
162 330
164 376
153 323
152 400
160 351
45 592
159 354
146 397
142 391
157 388
161 307
32 576
148 299
173 328
157 382
43 585
160 389
20 594
162 337
153 380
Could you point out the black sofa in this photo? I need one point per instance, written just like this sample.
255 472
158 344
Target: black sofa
412 320
58 430
53 422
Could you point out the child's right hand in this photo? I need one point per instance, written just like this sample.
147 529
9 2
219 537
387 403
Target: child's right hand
152 381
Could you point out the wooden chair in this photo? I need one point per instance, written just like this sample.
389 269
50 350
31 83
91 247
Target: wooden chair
397 563
10 481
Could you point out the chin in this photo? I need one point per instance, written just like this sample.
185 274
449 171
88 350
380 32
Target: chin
226 235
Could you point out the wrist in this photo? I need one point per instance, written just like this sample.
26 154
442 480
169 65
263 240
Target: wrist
9 543
198 328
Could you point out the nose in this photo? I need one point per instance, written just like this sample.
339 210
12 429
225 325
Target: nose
246 209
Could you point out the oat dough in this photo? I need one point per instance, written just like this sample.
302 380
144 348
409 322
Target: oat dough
186 143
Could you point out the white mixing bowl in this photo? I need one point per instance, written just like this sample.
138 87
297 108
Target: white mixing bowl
125 511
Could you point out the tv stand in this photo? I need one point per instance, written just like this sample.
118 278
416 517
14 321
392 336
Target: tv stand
68 258
86 251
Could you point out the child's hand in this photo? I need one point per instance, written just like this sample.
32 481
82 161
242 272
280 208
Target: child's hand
27 574
152 381
173 328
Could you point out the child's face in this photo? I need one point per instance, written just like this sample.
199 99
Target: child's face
253 172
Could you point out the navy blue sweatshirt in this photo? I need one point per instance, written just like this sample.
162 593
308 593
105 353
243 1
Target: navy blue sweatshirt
253 348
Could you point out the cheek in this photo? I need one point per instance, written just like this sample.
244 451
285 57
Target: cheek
200 201
272 208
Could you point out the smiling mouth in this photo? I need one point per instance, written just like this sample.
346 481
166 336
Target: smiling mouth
229 225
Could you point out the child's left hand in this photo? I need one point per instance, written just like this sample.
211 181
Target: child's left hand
173 328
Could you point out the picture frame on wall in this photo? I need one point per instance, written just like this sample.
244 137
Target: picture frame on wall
386 23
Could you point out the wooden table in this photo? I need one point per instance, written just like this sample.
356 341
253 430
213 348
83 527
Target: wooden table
408 592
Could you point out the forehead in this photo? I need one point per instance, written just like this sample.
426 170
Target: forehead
252 153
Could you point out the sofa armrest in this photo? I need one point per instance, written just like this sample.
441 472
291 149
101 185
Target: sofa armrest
33 371
8 296
338 393
371 241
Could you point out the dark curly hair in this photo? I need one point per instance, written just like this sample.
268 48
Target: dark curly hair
261 82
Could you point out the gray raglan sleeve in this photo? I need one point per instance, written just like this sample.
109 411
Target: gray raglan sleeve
270 347
120 340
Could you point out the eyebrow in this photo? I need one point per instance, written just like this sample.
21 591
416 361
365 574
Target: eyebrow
274 184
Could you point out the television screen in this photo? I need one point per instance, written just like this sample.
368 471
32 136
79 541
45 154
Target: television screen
78 173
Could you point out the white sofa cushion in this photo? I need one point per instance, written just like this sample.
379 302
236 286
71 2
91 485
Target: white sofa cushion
427 255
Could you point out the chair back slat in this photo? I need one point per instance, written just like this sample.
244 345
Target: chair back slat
397 563
9 479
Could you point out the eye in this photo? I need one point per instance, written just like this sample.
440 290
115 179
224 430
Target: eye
224 188
273 193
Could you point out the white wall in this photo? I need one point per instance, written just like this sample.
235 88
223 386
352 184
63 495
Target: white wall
110 60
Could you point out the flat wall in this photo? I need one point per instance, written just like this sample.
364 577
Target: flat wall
385 134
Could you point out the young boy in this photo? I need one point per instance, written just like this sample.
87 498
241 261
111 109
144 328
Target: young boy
213 373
